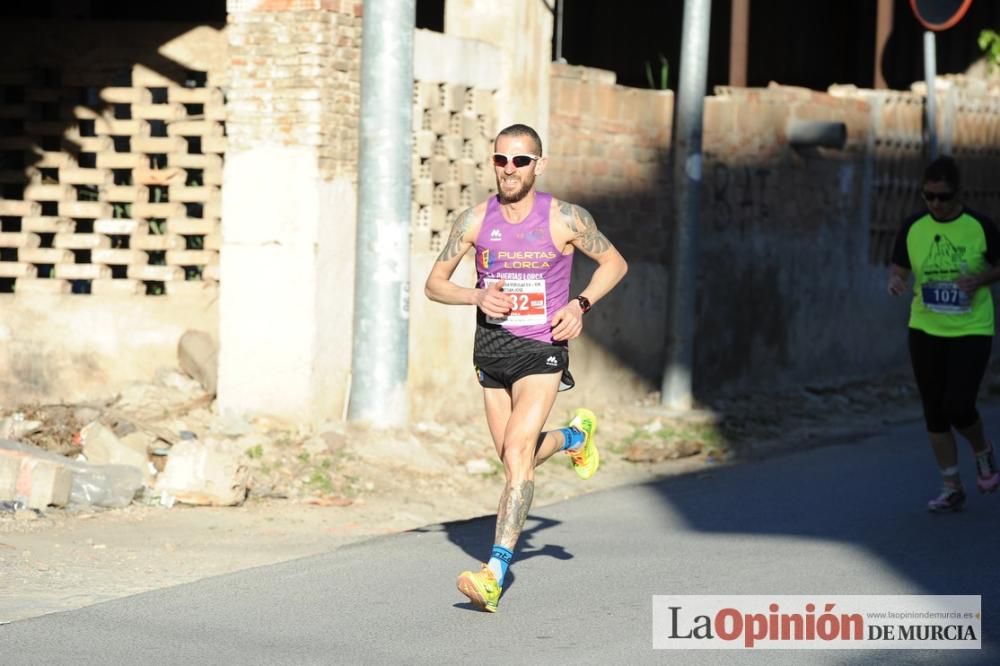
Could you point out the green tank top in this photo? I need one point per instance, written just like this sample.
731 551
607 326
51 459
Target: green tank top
939 253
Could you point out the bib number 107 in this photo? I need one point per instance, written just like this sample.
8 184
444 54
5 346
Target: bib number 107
945 298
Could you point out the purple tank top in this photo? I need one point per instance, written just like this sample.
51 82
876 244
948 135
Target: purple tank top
535 273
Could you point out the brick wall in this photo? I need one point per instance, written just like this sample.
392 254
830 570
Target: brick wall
783 241
609 151
111 180
295 77
785 292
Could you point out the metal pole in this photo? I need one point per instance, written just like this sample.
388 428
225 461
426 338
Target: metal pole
930 74
382 272
676 387
559 30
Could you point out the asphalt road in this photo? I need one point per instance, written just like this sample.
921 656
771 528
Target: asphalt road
838 519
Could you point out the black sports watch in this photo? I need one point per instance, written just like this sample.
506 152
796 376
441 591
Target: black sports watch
584 303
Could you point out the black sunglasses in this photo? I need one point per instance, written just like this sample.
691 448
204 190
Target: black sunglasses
501 159
938 196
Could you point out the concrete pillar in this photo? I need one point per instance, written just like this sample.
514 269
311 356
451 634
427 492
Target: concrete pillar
523 31
288 208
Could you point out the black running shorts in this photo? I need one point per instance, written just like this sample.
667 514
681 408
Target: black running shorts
503 371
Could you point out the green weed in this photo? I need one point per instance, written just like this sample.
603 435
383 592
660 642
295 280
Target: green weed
989 43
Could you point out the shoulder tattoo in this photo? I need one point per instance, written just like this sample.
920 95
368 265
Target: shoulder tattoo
453 247
582 224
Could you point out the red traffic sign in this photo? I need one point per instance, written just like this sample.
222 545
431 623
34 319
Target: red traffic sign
938 15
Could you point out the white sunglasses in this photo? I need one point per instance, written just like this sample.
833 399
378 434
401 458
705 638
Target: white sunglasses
523 160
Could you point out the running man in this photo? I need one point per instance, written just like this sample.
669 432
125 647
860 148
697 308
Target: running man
524 245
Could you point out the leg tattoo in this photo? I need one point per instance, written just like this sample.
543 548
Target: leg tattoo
514 505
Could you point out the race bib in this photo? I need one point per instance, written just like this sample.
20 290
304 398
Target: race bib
945 298
528 306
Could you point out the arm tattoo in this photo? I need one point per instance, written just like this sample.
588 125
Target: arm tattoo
591 240
514 505
454 245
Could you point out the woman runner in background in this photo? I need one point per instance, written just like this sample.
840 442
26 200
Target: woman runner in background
951 252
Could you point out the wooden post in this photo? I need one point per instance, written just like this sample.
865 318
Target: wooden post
739 42
883 28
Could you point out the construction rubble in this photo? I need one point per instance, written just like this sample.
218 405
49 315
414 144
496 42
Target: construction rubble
164 443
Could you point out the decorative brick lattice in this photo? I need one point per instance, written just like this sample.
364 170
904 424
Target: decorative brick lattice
899 161
968 128
110 189
976 146
453 131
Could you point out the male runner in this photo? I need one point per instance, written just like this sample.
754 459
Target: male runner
524 242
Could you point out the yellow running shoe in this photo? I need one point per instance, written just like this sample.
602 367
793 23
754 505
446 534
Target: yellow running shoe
586 459
481 588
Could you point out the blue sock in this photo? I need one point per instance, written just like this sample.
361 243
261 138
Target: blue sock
499 561
572 438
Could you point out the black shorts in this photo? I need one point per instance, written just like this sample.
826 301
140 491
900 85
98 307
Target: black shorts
502 372
948 373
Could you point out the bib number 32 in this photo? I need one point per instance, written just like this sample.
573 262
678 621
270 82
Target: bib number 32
527 303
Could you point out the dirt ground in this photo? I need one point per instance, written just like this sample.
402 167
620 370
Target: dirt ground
314 490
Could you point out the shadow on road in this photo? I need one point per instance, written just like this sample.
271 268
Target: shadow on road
867 496
871 494
476 536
